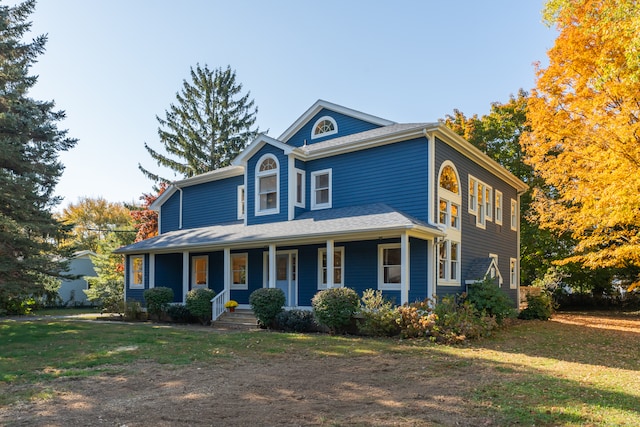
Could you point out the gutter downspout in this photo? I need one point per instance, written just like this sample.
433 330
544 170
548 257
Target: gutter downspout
180 210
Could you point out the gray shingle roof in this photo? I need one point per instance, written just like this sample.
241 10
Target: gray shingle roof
322 224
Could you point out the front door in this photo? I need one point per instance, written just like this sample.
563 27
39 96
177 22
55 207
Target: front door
286 272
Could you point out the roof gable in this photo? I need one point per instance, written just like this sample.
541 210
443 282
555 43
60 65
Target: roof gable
312 114
256 145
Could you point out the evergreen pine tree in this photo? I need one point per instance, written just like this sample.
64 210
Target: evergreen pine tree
29 169
210 124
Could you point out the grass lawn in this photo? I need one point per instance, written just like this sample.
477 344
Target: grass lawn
578 369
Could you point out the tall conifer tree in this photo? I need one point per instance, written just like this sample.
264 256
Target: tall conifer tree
208 126
29 168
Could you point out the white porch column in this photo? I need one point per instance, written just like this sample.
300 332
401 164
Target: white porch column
227 270
404 268
330 250
272 266
185 275
432 266
152 271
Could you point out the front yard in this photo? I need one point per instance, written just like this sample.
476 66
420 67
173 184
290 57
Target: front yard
578 369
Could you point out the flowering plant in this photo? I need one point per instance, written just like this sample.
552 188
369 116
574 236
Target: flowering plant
230 304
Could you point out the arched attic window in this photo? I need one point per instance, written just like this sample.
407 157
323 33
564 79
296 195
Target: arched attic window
324 126
267 185
449 179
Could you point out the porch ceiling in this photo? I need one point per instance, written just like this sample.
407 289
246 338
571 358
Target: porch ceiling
350 223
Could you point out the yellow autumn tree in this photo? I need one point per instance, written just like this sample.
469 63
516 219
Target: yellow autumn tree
585 130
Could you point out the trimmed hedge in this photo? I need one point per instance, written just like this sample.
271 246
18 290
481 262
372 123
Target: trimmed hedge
266 304
335 307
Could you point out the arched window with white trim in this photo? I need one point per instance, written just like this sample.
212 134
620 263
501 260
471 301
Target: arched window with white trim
449 203
267 185
324 126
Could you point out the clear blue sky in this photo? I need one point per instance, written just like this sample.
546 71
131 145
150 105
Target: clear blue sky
113 65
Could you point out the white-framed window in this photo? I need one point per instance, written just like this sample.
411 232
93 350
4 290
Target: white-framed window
473 195
324 126
239 271
449 196
389 266
267 185
449 262
241 205
136 272
300 180
514 215
199 271
488 202
321 189
495 272
499 207
513 273
338 267
480 201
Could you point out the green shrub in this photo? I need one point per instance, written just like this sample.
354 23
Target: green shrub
335 307
179 313
538 307
296 321
379 316
416 320
266 304
199 304
458 320
487 297
158 300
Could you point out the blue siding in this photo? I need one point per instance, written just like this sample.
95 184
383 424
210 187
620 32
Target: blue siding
170 214
211 203
395 174
135 294
418 269
346 126
169 273
251 187
478 242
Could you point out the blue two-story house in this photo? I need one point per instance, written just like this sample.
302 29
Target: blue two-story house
341 198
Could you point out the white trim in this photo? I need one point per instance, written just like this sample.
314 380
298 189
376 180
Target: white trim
297 172
405 273
499 207
227 268
133 285
472 196
241 201
263 174
240 286
321 104
314 135
328 204
185 275
321 252
488 202
256 145
514 215
513 273
152 270
381 284
194 285
498 273
272 266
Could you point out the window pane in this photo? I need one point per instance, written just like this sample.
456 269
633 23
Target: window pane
448 179
322 181
268 184
299 187
201 271
454 216
443 211
392 256
322 196
281 267
392 274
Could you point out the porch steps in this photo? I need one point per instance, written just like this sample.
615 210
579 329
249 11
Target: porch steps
239 319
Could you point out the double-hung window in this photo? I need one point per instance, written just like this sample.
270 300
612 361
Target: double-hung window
499 208
136 272
481 201
321 189
513 273
338 267
299 188
267 185
389 266
199 271
449 262
239 264
241 208
514 215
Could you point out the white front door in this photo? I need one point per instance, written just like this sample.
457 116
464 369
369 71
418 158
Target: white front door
286 275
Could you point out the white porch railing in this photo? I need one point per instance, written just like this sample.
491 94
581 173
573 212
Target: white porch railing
217 304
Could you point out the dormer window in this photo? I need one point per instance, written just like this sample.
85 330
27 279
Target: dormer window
324 126
267 184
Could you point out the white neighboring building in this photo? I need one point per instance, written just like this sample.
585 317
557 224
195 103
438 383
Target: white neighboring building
72 291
